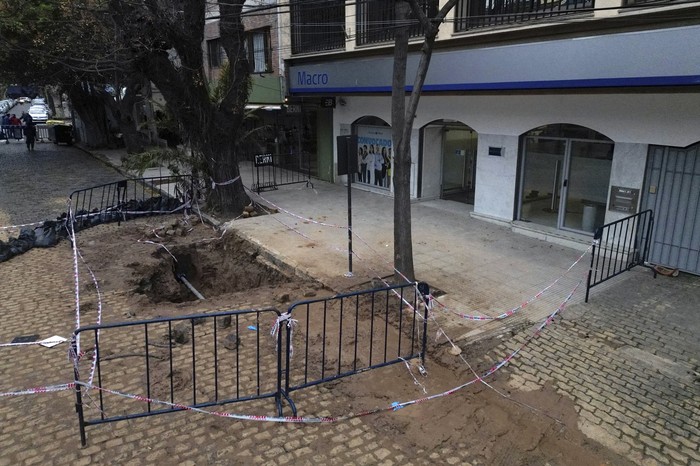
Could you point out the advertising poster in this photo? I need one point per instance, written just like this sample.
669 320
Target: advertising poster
374 156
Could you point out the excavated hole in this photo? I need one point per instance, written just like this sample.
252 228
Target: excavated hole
214 268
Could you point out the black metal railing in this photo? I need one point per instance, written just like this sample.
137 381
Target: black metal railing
632 3
317 26
144 368
471 14
273 170
620 246
167 365
131 198
351 333
376 20
9 132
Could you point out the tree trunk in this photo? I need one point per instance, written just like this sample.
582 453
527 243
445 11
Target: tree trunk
92 114
169 51
127 124
403 244
402 124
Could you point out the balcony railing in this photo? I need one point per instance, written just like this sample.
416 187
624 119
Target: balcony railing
317 26
470 14
647 2
376 20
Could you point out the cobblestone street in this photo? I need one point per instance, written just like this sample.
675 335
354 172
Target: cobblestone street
34 186
629 360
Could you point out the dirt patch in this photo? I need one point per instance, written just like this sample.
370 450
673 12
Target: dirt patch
144 260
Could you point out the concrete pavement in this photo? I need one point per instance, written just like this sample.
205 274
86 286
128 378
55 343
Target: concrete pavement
629 359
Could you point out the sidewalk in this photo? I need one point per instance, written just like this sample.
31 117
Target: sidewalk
478 268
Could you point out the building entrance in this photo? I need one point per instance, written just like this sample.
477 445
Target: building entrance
458 164
565 174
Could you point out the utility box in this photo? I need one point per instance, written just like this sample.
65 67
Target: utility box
61 134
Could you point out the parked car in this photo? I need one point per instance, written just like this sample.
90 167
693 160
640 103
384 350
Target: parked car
39 113
6 105
24 100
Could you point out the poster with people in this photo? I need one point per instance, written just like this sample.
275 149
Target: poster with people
374 158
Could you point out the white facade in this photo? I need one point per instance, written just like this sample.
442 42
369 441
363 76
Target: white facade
632 121
614 94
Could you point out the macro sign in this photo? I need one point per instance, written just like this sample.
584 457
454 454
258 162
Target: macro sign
312 79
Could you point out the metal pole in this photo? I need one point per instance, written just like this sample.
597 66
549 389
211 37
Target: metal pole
350 177
78 393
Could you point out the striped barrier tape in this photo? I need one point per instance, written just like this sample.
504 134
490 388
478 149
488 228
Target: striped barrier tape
38 390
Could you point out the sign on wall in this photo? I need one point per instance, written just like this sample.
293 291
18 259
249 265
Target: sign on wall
374 156
623 199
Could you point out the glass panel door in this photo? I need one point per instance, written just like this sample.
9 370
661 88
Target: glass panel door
458 164
586 186
542 178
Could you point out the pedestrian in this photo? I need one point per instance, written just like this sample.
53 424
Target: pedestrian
30 136
16 125
5 128
26 118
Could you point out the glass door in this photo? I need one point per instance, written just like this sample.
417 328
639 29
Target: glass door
458 164
542 178
565 177
585 188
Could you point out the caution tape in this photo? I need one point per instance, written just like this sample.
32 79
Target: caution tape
38 390
292 214
214 184
19 227
519 307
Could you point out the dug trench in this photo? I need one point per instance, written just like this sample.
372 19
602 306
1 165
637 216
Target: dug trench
138 263
140 266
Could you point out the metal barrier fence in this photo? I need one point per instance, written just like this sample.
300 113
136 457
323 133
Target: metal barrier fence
17 132
11 132
273 170
42 133
131 198
619 247
351 333
195 361
145 368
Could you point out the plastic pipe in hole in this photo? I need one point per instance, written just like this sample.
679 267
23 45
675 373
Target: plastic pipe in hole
182 278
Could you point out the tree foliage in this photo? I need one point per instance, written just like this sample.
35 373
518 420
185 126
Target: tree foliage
85 45
165 38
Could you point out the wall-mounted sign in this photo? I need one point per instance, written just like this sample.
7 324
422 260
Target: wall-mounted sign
497 151
293 108
623 199
328 102
262 160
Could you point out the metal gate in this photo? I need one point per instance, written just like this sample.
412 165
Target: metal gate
620 246
273 170
672 191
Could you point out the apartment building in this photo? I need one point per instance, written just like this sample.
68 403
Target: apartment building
554 117
267 94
